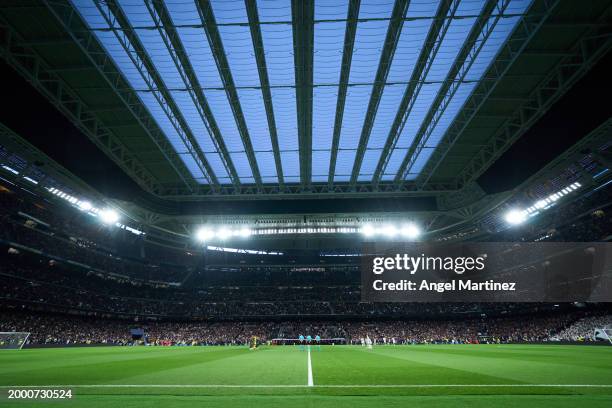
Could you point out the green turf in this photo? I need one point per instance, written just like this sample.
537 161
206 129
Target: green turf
429 376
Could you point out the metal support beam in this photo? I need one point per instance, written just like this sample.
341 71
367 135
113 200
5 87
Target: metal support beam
216 44
478 35
161 17
260 58
303 44
114 16
384 66
585 54
528 26
432 43
36 71
345 70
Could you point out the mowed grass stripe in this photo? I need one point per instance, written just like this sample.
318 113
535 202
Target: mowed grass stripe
358 365
339 369
309 386
271 366
557 368
108 368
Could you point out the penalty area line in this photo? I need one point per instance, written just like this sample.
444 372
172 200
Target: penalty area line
305 386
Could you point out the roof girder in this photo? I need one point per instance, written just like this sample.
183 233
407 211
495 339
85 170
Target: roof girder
71 21
386 57
260 58
113 14
466 57
424 62
511 50
49 84
593 45
345 70
303 43
216 44
159 14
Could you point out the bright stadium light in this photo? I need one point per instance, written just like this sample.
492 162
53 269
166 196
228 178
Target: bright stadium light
410 231
224 233
245 232
368 230
85 206
109 216
389 230
515 217
204 234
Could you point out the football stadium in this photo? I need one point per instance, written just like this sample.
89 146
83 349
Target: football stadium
319 203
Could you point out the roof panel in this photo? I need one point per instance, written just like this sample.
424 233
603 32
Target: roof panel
370 160
183 12
284 105
243 168
148 99
328 47
193 167
488 52
327 10
277 37
222 111
452 42
290 161
214 159
395 161
409 46
267 166
320 165
238 48
90 13
254 112
344 165
200 56
369 42
323 116
357 99
376 8
229 11
417 115
419 163
278 47
274 10
190 113
387 110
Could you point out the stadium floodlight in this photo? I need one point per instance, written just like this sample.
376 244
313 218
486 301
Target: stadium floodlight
245 232
204 234
224 233
368 230
540 204
411 231
515 217
8 168
31 180
389 230
109 216
85 206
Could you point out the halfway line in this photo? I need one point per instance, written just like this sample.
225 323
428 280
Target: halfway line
310 380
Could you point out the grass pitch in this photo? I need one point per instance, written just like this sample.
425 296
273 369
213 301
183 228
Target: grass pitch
429 376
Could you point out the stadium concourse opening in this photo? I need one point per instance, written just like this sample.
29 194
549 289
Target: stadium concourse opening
330 203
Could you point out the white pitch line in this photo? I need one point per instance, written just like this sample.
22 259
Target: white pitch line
310 380
305 386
